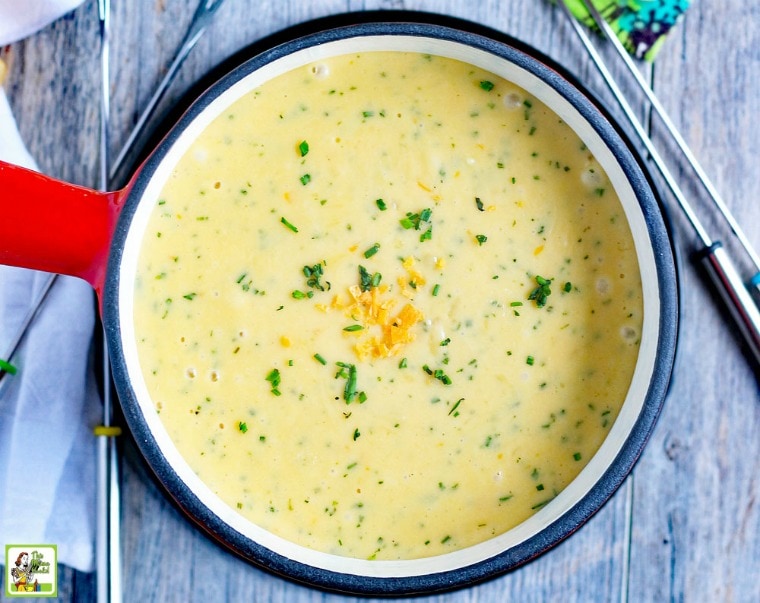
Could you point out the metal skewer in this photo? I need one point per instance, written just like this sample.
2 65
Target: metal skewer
608 32
200 21
714 257
108 545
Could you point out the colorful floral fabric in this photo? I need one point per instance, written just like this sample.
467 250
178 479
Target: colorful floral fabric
641 25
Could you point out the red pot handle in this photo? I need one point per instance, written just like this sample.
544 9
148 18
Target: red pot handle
49 225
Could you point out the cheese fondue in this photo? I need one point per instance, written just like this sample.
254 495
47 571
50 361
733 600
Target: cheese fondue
387 305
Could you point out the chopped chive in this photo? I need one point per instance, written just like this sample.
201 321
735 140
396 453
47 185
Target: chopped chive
540 293
273 377
481 239
352 328
381 205
296 294
372 250
436 290
515 304
486 85
303 148
7 367
319 358
530 360
190 296
357 433
446 342
402 363
242 427
437 374
305 179
479 204
414 220
577 456
313 275
568 287
288 225
454 408
347 371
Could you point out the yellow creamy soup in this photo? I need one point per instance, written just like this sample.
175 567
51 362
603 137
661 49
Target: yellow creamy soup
387 305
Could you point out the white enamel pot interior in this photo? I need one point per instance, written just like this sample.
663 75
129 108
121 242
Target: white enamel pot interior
574 505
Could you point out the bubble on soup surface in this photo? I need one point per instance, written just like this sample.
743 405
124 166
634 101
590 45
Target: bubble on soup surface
603 285
320 71
513 100
629 333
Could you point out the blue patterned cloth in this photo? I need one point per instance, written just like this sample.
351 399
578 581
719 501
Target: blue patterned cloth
641 25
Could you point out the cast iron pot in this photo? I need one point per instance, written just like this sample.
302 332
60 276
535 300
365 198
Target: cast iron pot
52 226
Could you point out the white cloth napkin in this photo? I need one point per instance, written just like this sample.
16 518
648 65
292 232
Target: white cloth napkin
21 18
49 408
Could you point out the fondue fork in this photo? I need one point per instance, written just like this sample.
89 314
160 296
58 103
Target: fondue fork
108 535
713 255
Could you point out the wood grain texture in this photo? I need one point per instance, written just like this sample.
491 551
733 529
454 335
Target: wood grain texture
685 525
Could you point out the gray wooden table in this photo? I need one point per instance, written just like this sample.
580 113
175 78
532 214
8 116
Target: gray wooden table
685 525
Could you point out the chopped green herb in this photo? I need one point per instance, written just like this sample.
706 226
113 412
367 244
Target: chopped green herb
303 148
313 275
7 367
438 374
454 410
190 296
541 292
481 239
530 360
381 205
486 85
319 358
356 434
288 225
305 179
352 328
479 204
296 294
577 456
436 290
446 341
402 363
242 427
515 304
367 280
567 287
372 250
347 371
274 380
415 221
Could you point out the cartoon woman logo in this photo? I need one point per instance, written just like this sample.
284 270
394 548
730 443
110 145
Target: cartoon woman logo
23 574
